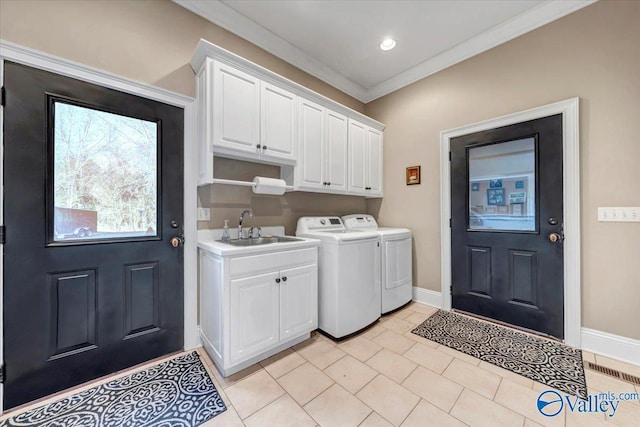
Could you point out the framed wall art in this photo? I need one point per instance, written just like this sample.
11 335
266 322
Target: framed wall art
413 175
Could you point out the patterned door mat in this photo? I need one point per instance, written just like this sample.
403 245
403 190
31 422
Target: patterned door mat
551 363
175 393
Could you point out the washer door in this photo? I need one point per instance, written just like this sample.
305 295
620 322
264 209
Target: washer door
398 262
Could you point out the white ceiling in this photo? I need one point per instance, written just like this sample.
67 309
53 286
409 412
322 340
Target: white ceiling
337 40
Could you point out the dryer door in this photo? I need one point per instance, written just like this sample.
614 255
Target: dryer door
397 262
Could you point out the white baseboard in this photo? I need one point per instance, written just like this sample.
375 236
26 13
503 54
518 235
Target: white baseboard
427 296
613 346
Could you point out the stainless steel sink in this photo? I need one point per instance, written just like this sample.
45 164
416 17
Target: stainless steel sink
260 241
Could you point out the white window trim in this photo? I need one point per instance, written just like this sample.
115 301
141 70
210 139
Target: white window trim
23 55
571 180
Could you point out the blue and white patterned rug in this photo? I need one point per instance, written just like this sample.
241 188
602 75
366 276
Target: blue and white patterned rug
175 393
548 362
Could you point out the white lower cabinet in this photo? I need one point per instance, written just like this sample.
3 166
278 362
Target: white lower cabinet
253 306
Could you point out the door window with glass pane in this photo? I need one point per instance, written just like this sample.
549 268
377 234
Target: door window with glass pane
502 186
105 175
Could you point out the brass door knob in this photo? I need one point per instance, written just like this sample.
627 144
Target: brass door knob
554 237
176 241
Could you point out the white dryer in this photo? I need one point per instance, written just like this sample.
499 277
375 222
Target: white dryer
349 275
396 260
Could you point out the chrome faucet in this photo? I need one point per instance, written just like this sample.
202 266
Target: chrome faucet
244 212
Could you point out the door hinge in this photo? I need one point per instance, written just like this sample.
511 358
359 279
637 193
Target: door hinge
3 96
449 155
3 229
2 374
449 222
451 290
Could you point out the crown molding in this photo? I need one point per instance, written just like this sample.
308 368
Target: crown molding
229 19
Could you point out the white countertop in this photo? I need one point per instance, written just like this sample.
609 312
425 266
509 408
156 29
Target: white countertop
207 240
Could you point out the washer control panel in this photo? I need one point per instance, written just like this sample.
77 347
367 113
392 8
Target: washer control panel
360 221
319 223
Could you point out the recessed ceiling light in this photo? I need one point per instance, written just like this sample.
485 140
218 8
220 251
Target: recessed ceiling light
388 44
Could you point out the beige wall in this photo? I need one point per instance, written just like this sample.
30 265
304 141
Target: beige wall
228 201
592 54
152 41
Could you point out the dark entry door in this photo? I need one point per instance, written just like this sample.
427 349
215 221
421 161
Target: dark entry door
93 196
506 231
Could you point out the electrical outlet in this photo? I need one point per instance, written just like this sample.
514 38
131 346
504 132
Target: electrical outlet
619 214
204 214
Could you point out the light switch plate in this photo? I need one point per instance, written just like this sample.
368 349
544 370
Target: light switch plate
204 214
619 214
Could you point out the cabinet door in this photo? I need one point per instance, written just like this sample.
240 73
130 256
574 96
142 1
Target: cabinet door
298 301
336 148
236 109
254 320
374 162
311 145
357 157
278 122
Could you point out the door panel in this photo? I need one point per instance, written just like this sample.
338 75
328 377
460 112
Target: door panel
236 109
357 156
298 301
398 265
336 163
254 315
279 121
311 143
374 161
506 199
93 182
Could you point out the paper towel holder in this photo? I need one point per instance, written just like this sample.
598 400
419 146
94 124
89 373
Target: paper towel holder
240 183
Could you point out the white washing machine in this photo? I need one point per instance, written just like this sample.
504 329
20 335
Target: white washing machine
349 275
395 260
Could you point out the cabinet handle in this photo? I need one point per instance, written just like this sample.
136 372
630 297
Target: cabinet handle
328 183
258 146
278 280
284 279
264 147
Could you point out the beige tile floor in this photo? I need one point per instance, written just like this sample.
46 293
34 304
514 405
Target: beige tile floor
388 376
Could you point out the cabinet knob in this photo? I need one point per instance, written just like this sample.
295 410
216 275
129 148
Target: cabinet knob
284 279
258 146
264 147
328 183
278 280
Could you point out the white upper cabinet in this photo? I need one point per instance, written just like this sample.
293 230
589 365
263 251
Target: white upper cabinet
249 113
278 122
236 109
365 160
323 149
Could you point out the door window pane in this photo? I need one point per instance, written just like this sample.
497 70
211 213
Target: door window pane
105 175
502 191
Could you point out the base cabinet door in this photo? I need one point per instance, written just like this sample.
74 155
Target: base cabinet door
254 315
298 300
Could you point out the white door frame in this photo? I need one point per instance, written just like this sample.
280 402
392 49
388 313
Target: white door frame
20 54
571 181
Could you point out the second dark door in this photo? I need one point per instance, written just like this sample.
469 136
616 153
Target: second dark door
506 229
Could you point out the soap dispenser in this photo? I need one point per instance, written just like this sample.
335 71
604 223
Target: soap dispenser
225 231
